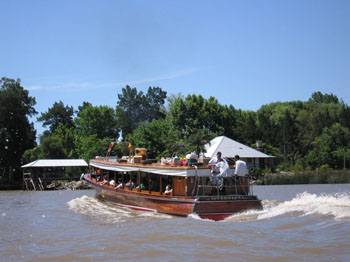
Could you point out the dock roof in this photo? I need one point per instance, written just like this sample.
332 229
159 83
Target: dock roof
57 163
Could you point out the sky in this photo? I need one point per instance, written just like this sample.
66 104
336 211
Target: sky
244 53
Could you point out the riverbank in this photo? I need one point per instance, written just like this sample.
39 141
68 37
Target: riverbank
306 177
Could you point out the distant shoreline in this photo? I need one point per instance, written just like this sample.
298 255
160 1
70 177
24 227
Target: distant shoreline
306 177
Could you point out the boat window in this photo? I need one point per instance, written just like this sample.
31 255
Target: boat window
119 177
144 180
166 180
155 183
134 179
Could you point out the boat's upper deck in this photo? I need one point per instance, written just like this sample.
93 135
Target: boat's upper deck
156 168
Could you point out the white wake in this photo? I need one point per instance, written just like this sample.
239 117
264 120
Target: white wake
304 204
105 212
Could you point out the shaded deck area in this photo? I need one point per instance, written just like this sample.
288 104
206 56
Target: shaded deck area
38 174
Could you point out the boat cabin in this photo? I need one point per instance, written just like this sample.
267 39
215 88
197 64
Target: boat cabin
185 181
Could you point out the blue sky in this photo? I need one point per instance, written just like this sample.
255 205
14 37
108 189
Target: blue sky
244 53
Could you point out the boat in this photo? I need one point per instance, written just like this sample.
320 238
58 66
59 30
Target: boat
141 184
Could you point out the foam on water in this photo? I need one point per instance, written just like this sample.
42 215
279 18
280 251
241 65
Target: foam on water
106 212
304 204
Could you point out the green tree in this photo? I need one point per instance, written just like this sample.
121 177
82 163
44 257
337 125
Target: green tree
320 98
17 134
188 115
334 144
157 136
98 120
67 136
52 147
246 130
134 107
90 146
153 103
197 140
57 114
283 118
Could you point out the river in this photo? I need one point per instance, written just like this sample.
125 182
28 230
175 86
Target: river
298 223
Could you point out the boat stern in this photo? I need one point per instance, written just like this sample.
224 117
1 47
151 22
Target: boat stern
220 207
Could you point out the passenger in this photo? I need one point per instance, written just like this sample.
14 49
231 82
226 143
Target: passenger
130 184
141 186
240 167
105 181
118 184
240 174
112 182
212 162
168 190
224 172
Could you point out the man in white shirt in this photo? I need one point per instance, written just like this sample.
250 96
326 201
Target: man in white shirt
224 172
219 169
241 167
214 161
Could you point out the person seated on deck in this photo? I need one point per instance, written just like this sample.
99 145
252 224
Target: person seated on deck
112 182
168 190
130 184
105 181
120 185
141 186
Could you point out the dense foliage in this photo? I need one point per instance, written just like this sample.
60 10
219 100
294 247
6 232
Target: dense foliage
17 134
302 135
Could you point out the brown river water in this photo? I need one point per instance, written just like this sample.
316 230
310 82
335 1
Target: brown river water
298 223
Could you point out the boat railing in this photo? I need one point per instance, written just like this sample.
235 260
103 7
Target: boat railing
230 186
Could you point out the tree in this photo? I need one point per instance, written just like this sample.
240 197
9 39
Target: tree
57 114
90 146
320 98
197 140
17 134
283 118
67 136
246 130
188 115
134 107
99 120
154 101
52 147
157 136
333 145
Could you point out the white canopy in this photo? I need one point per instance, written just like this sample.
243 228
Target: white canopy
229 148
181 171
57 163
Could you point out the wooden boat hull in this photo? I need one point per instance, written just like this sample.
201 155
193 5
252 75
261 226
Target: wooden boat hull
210 207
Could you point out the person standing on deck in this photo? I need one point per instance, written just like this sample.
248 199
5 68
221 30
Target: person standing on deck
214 161
240 174
241 167
215 164
224 172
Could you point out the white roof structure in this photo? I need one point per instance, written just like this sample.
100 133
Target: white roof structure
56 163
166 170
229 148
